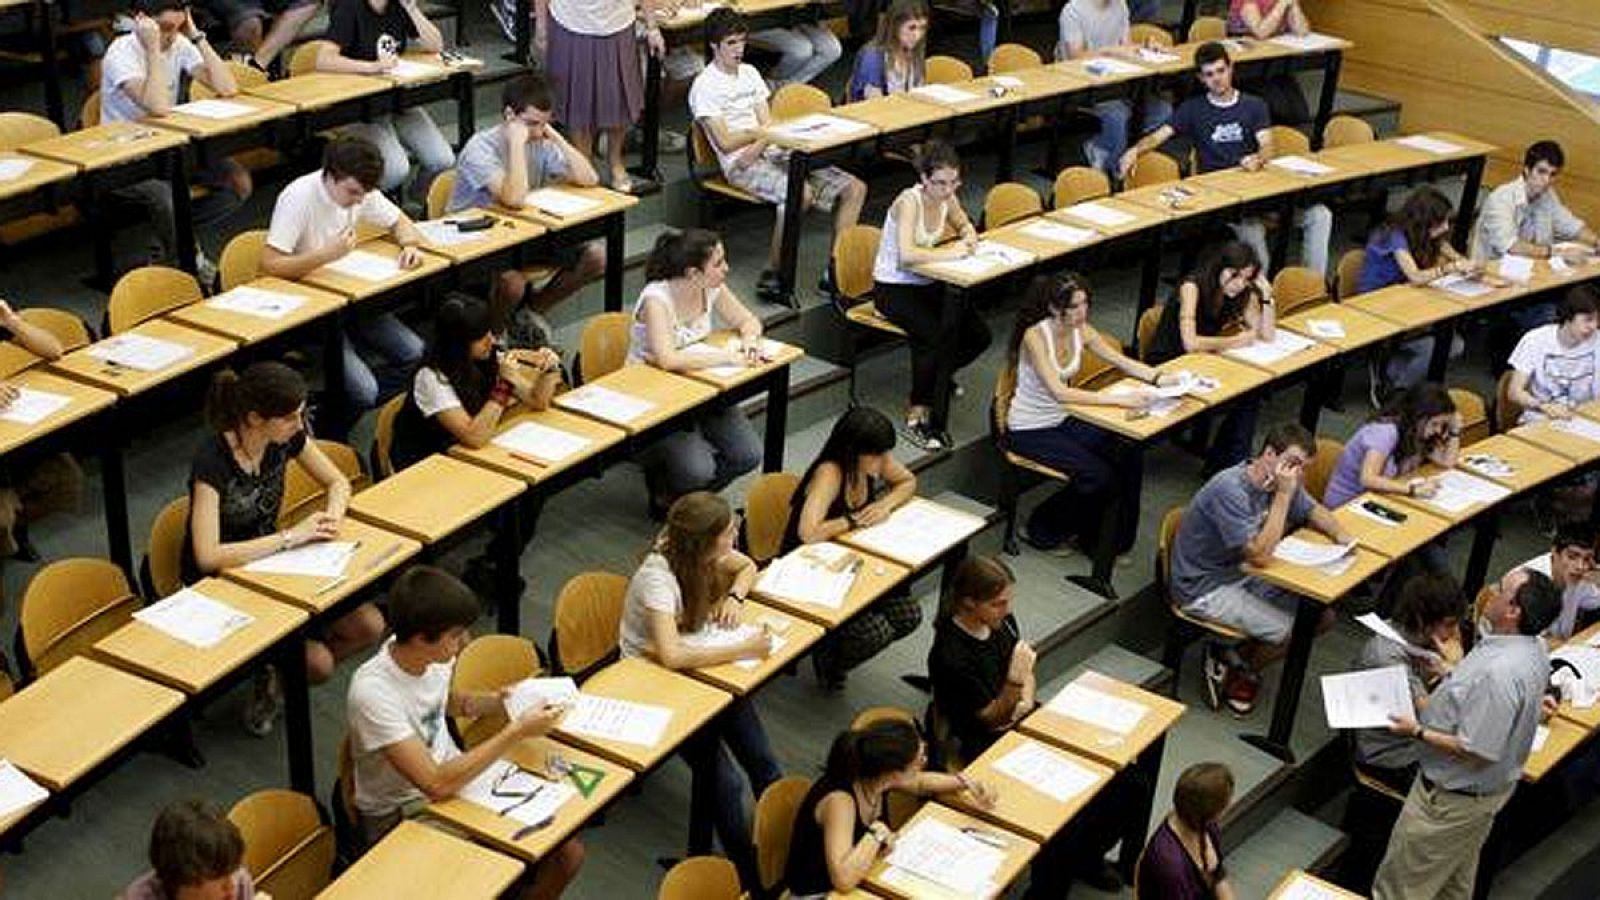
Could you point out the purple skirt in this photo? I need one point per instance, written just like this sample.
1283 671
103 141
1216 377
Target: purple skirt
597 80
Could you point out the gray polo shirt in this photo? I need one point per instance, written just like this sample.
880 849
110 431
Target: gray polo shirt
1490 701
484 158
1380 746
1222 518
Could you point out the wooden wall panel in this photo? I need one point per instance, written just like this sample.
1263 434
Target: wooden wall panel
1569 24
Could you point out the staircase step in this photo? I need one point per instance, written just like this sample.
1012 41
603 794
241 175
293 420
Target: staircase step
1117 662
1292 840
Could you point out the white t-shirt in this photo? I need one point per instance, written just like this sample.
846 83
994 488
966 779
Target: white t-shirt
387 705
433 392
1581 597
596 18
306 217
731 98
125 61
1556 373
652 589
1091 25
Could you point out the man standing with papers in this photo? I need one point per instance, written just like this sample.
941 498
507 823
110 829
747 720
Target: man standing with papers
1475 735
402 754
1239 517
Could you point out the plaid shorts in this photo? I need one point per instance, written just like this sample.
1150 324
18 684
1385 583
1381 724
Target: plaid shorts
768 178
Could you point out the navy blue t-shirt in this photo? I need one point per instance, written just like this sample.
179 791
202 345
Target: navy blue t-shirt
1222 135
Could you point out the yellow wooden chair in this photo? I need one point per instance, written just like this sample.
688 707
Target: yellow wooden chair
1152 168
1506 410
148 292
1147 33
774 827
383 437
67 606
1342 131
1009 202
1145 330
163 557
439 192
1185 626
1207 28
588 613
1079 184
795 100
491 662
64 326
1321 465
603 348
1297 288
1347 274
89 111
1474 415
303 494
16 130
1012 57
288 849
1005 387
701 878
706 172
854 250
767 507
1288 141
241 258
303 61
945 70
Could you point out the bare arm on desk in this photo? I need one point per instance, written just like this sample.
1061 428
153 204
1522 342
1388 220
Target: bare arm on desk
441 781
1193 340
1267 24
211 555
324 472
294 266
750 143
1144 145
32 338
1524 398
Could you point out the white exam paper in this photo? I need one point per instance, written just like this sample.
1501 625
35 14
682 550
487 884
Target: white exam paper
141 352
533 693
559 203
1428 144
544 797
1100 214
1327 329
1305 889
608 718
1312 41
1366 699
1106 65
1098 708
1459 491
1157 56
214 109
13 168
943 93
328 559
444 233
1541 733
1589 431
33 406
606 404
17 790
253 301
942 854
917 531
366 265
194 618
1463 285
1300 552
1299 165
1376 624
818 125
1283 345
410 68
1045 771
1516 268
817 574
543 443
1056 232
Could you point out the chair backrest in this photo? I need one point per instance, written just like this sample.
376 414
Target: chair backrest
7 686
774 826
701 878
1164 539
1145 330
1286 141
1154 167
302 493
241 258
383 437
288 849
439 192
1011 57
65 327
1506 410
1095 371
794 100
767 507
1347 275
701 157
163 558
68 606
1148 33
1207 28
875 714
89 112
18 128
942 69
901 806
1474 415
1320 468
587 616
148 292
244 76
1078 184
1296 287
1344 130
303 61
489 663
1008 202
854 251
1005 388
604 345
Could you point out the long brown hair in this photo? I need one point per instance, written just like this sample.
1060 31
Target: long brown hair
694 523
888 37
978 579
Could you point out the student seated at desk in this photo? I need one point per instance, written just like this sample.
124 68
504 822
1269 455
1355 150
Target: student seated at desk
1090 27
1554 367
854 482
893 61
46 485
366 37
401 751
1228 129
1263 20
235 492
1225 303
1183 859
1047 347
499 166
258 42
729 101
1239 517
805 49
913 228
1570 565
839 830
1415 427
691 579
314 223
1413 248
141 77
196 853
686 281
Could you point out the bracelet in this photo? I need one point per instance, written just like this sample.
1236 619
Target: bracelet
1421 733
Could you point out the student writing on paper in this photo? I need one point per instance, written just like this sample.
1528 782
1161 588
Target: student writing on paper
1239 517
855 482
499 166
1571 567
1554 367
258 425
1474 737
1049 345
892 62
840 830
401 751
1090 27
314 223
914 231
1416 427
686 284
1183 859
1223 304
1263 19
49 484
693 578
1413 247
196 853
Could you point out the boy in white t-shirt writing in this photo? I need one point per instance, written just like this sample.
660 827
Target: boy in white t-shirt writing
1553 366
402 754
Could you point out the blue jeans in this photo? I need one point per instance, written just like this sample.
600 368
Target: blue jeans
1101 472
722 446
988 30
1112 141
716 801
382 340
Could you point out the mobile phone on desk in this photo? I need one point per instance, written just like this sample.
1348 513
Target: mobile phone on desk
1394 516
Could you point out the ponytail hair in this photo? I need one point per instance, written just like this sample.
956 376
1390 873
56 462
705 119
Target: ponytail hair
676 252
879 749
270 390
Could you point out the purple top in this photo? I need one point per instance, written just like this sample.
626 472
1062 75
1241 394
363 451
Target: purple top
148 887
1167 872
1345 483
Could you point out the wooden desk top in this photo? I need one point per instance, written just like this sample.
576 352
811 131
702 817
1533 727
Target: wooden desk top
508 231
1269 181
874 579
1182 199
995 266
1020 807
79 714
1135 424
195 126
1530 465
1316 584
1319 351
1392 540
517 465
1113 748
1390 155
249 329
147 651
894 112
1019 851
1017 235
86 400
1296 877
40 172
1405 305
1427 505
1360 329
1041 83
319 90
356 288
1088 70
1233 378
606 202
984 94
1139 216
414 860
671 394
437 68
1588 719
1342 170
126 382
786 355
107 145
797 634
380 553
1590 636
407 502
815 136
693 704
1555 438
927 550
497 831
1561 739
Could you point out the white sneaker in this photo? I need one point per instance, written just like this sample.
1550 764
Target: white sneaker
205 270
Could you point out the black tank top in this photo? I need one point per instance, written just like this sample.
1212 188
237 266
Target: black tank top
807 869
836 510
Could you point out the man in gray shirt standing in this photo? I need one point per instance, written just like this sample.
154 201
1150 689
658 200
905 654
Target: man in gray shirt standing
1474 738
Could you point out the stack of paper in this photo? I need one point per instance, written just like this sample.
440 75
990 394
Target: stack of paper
769 351
1009 82
1327 329
559 203
254 301
1459 492
1429 145
1541 733
1165 402
610 719
606 404
944 855
818 574
535 693
1378 626
13 168
17 790
1097 708
1284 344
1579 426
32 406
1516 268
141 352
444 233
1463 285
715 637
194 618
1046 771
918 531
1367 699
410 68
214 109
1157 56
987 256
1300 552
541 442
943 93
322 560
366 266
1100 214
507 789
1299 165
818 126
1056 232
1106 65
1312 41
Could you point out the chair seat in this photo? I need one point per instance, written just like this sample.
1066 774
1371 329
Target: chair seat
258 159
867 315
29 227
1376 786
1022 462
719 185
1227 632
540 272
